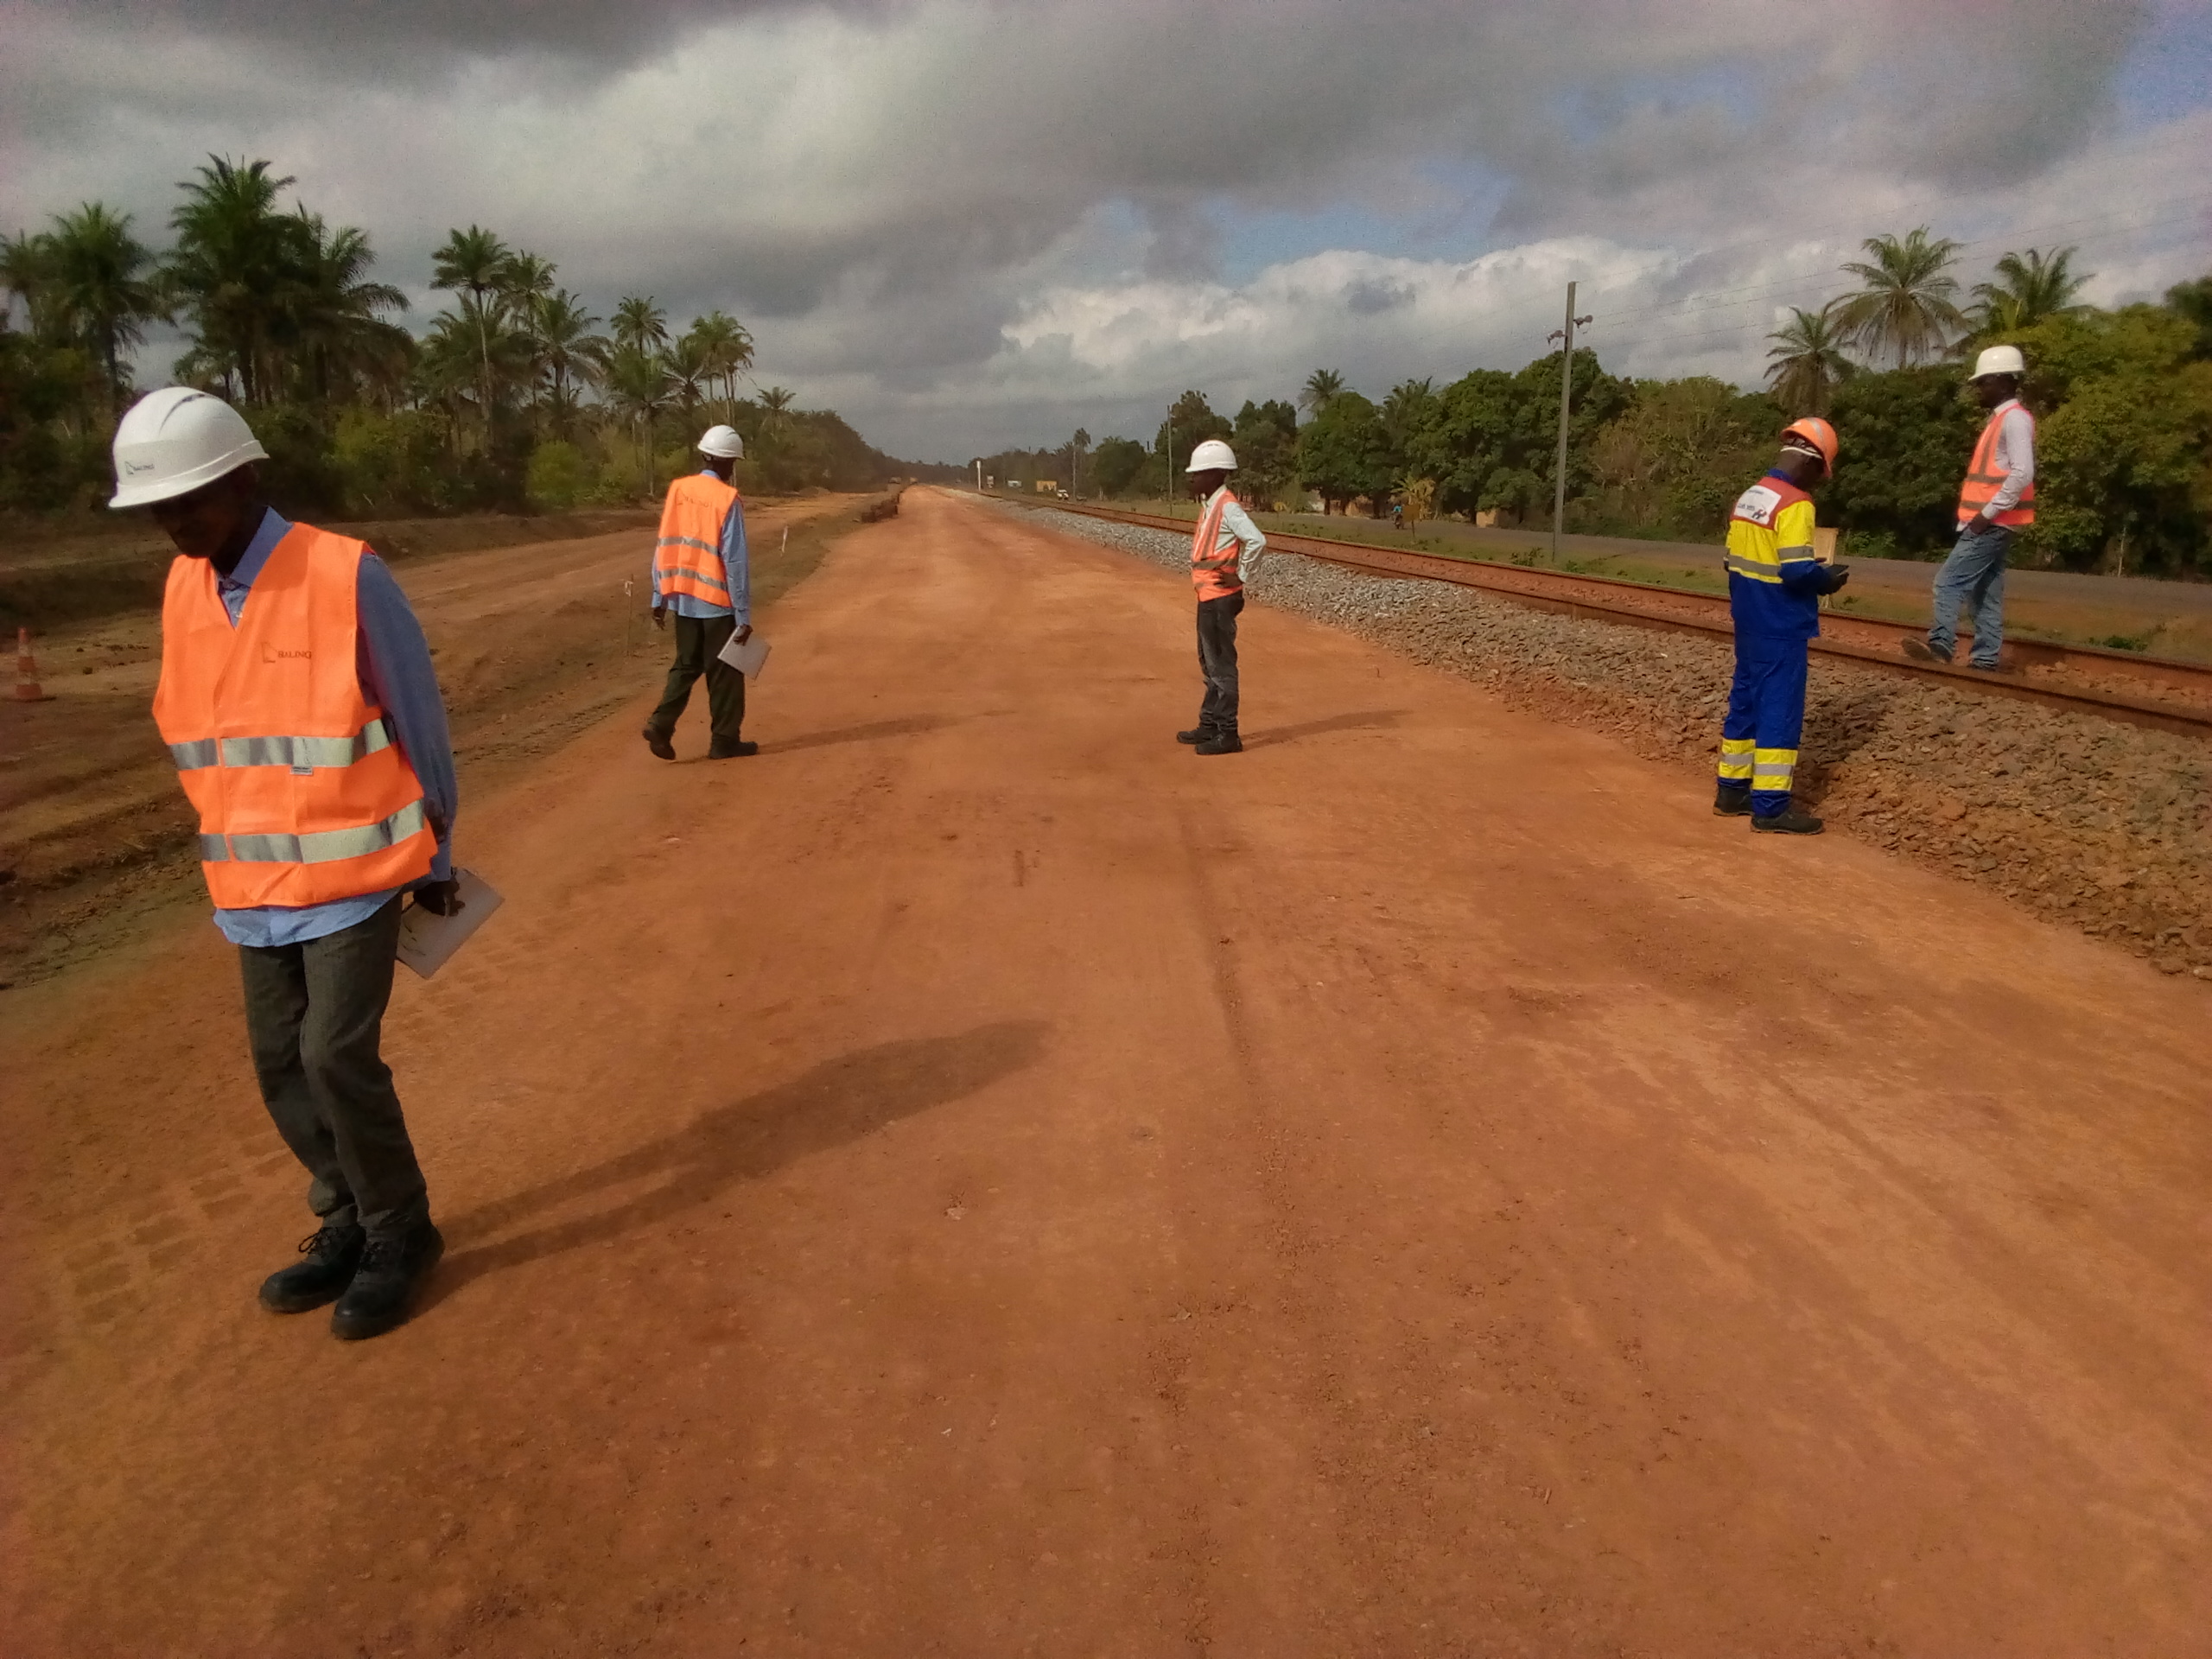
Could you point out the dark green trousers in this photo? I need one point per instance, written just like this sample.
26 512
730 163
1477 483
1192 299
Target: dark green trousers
698 639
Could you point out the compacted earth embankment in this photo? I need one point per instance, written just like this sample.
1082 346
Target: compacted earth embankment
2098 825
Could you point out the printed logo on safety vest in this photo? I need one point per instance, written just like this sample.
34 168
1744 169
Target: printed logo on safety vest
271 654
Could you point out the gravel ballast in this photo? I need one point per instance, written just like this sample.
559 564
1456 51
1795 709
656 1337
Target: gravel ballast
2095 824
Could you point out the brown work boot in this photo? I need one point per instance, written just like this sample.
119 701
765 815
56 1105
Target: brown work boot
658 743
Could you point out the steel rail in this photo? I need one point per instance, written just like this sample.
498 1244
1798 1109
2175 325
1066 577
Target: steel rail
1867 641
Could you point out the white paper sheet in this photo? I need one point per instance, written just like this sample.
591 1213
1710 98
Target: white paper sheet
746 659
427 941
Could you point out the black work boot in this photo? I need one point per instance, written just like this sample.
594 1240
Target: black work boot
1732 801
658 743
392 1271
1921 651
1198 734
731 750
332 1255
1792 820
1223 742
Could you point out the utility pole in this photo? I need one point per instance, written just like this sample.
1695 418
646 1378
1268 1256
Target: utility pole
1167 464
979 477
1565 337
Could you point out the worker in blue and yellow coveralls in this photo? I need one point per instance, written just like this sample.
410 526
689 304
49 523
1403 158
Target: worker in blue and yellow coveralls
1775 587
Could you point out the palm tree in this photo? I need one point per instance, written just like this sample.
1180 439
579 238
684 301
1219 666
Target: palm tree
568 350
639 325
776 400
474 262
1321 387
690 370
1908 301
103 293
1077 444
728 348
1806 362
239 265
2030 288
337 314
636 381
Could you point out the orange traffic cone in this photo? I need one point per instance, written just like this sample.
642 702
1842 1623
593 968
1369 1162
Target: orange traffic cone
27 686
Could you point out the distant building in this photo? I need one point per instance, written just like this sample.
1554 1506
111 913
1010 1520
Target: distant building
1045 486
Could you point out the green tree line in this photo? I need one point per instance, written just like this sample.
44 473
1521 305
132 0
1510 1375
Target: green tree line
2123 399
516 395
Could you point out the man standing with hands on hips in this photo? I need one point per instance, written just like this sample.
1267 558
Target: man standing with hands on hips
299 703
1996 501
1225 552
701 572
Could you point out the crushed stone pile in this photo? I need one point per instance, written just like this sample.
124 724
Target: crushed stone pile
2098 825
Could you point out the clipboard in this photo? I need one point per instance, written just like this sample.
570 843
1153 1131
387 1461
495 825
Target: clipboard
747 658
428 941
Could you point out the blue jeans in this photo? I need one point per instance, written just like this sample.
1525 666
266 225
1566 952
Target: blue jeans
1973 576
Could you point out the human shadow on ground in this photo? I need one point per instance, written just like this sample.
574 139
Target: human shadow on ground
1374 718
838 1101
912 726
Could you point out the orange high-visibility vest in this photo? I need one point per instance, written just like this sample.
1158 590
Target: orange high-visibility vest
1213 572
688 557
303 796
1984 479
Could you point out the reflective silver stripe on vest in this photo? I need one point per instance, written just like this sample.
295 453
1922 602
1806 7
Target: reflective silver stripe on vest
688 541
323 847
281 750
1754 568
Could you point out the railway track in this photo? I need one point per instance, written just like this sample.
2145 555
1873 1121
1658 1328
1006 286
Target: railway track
2155 691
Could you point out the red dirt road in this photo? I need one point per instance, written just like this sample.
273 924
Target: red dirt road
978 1179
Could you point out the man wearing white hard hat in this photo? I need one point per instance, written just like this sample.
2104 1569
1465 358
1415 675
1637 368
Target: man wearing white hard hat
1996 502
300 705
1224 554
700 572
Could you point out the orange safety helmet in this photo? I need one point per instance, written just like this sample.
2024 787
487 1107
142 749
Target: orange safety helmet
1818 433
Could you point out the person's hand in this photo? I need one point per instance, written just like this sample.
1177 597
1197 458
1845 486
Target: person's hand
744 633
1837 576
439 898
660 616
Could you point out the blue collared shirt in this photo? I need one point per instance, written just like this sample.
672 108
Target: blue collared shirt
736 570
393 660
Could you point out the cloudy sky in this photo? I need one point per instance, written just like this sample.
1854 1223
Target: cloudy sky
966 224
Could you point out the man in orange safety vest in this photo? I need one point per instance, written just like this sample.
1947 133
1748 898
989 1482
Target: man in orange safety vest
1225 549
702 573
299 703
1996 502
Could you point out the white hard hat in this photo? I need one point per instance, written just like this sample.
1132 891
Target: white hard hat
171 441
1999 359
722 442
1213 455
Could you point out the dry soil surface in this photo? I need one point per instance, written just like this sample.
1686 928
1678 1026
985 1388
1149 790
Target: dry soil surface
533 643
980 1180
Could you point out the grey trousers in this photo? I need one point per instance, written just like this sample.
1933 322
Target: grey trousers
314 1017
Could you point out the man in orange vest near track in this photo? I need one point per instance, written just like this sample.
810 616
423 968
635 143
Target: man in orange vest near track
1225 550
299 703
1775 587
701 572
1996 501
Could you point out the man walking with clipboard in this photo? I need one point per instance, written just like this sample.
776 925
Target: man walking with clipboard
701 571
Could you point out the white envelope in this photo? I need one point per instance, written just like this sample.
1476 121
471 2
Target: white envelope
746 659
427 941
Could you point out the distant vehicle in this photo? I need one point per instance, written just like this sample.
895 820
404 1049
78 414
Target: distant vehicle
1060 494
